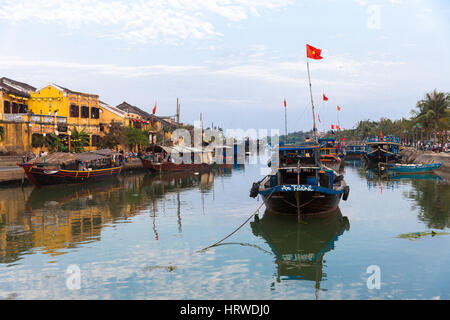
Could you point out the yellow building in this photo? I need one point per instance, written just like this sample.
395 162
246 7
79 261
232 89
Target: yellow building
66 109
14 100
28 117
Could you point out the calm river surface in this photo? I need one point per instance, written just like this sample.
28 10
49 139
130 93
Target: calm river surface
138 237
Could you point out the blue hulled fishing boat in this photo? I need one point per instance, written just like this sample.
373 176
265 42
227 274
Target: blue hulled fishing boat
382 149
300 184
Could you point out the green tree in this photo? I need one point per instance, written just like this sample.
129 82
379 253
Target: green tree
136 137
431 110
54 143
114 137
78 140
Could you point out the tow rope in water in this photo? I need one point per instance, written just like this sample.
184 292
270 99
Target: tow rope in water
251 216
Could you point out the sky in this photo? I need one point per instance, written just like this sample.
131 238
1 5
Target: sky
235 61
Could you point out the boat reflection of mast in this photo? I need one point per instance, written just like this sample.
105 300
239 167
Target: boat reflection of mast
179 208
299 249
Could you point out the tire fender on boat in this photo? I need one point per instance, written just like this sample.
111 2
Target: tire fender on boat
346 192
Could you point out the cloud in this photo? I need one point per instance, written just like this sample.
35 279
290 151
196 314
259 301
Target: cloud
344 72
138 21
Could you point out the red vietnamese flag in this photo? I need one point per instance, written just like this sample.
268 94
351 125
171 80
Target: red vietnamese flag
285 103
332 127
337 127
325 97
339 108
313 53
154 108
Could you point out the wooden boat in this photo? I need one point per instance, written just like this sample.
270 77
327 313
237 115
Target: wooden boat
301 184
66 168
161 159
382 149
401 168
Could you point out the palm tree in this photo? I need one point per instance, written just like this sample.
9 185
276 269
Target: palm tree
432 109
78 140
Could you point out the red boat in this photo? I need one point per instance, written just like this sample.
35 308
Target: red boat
68 168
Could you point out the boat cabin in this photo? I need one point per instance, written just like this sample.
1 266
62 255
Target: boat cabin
300 165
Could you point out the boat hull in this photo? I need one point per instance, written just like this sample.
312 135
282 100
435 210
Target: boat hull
42 177
301 202
414 169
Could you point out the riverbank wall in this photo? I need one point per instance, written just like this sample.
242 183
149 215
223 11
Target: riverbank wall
410 155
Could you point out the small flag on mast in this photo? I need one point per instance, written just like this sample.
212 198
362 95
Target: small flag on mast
154 108
325 97
285 103
338 108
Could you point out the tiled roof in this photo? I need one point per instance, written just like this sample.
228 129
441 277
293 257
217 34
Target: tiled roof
16 87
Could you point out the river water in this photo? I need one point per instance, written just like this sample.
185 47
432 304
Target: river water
140 236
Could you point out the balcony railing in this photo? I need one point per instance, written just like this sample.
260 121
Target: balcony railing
24 117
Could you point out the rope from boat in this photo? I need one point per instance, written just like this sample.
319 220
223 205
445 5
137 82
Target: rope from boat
251 216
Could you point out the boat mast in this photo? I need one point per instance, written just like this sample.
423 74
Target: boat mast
312 101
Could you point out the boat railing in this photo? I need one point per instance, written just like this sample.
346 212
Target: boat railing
383 139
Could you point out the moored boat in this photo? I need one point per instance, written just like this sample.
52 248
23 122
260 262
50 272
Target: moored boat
67 168
301 184
330 153
401 168
180 158
354 151
382 149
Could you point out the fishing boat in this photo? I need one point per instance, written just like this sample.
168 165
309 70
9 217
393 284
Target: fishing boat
354 151
400 168
330 153
67 168
382 149
301 184
161 159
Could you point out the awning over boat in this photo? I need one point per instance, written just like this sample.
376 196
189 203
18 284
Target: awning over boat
90 156
106 152
57 158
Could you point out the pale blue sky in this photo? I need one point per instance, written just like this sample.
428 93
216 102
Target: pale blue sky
234 60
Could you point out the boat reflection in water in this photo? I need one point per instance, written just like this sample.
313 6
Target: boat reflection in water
299 248
55 219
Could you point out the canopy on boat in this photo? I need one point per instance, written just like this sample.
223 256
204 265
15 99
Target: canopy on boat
106 152
64 158
57 158
90 156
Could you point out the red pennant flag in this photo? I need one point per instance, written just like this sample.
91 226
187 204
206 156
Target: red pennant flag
325 97
339 108
332 127
285 103
154 108
313 53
